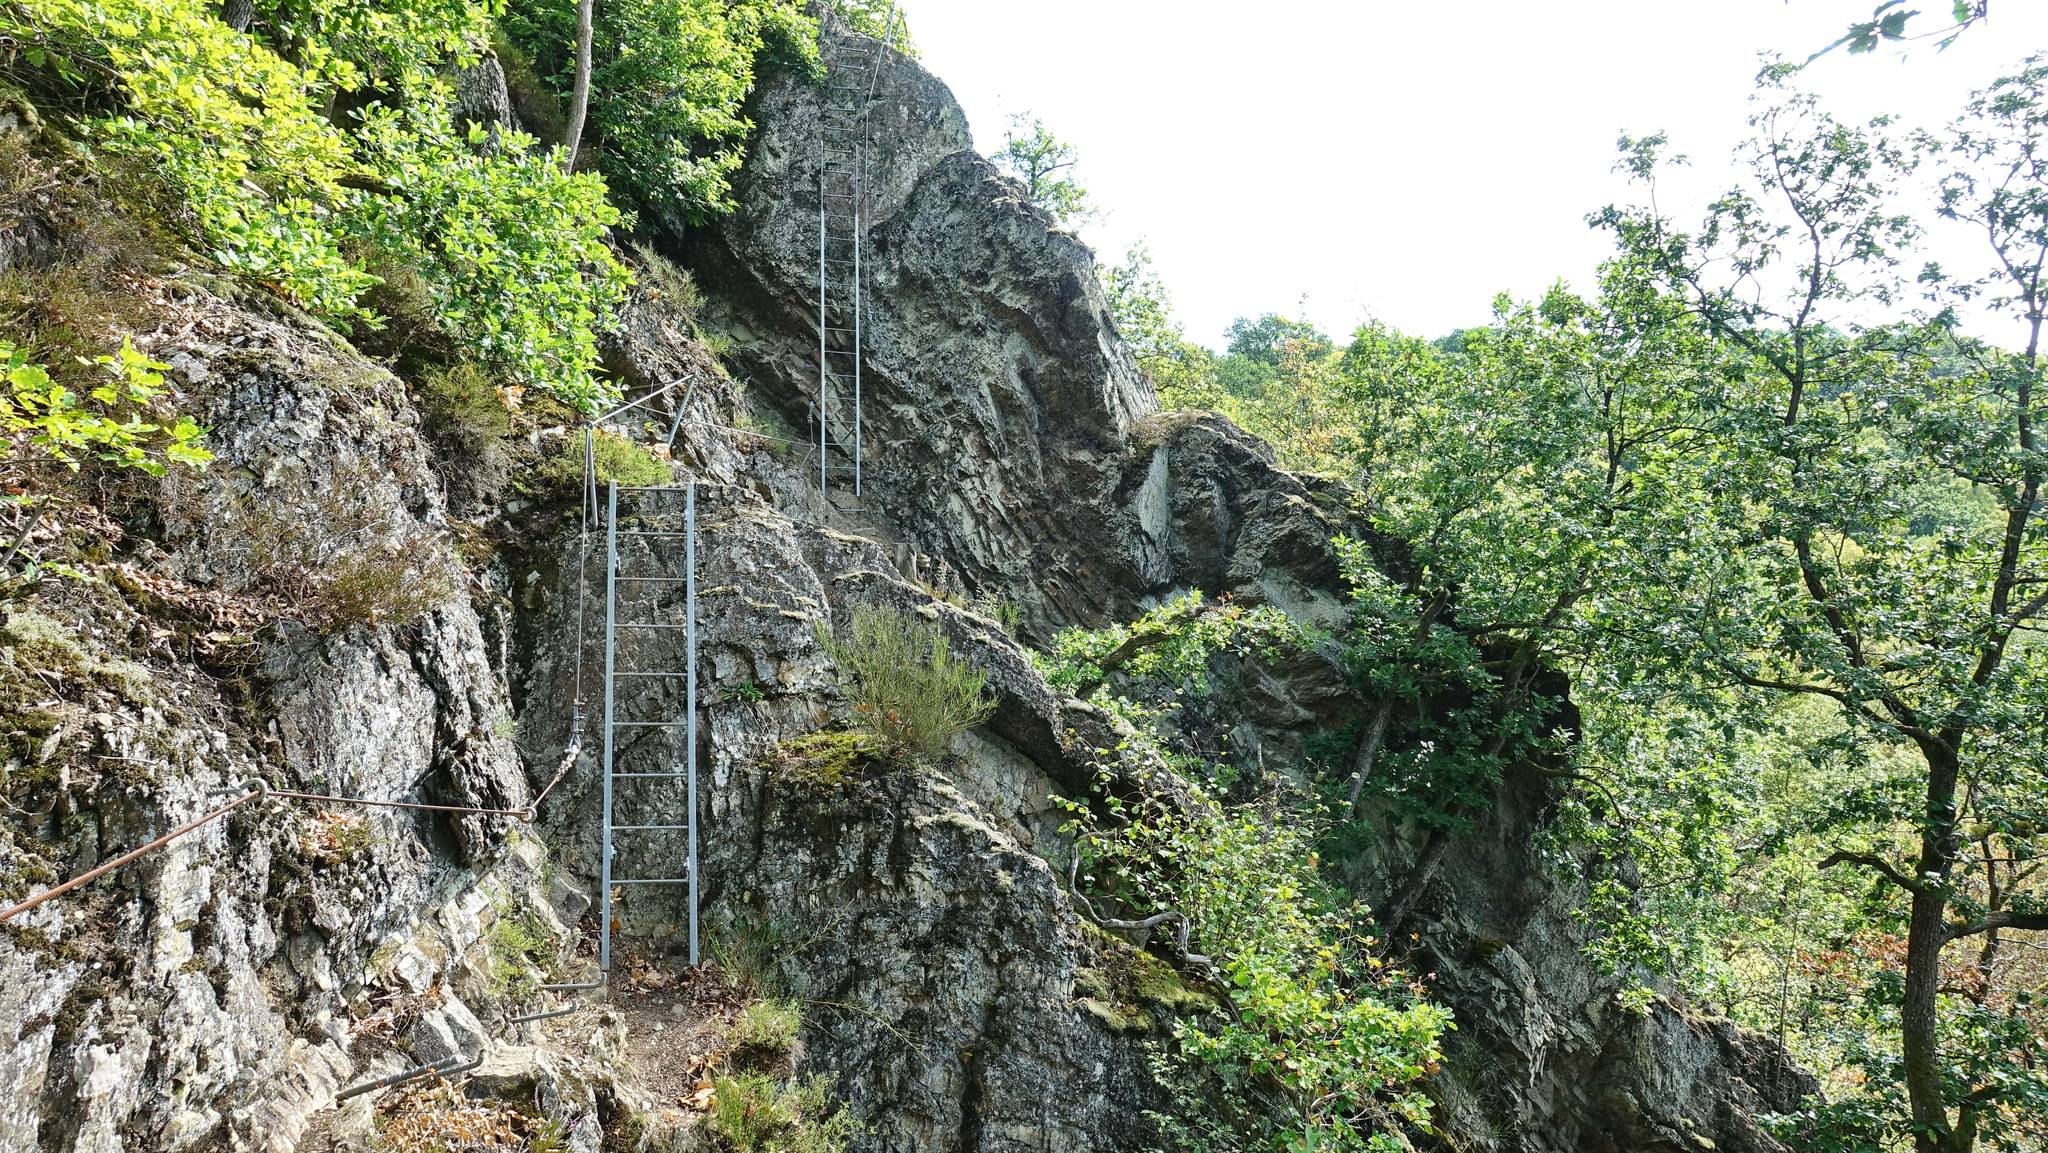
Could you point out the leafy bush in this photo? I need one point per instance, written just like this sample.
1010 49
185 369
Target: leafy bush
753 1113
913 695
669 84
1171 644
869 17
120 422
1315 1011
510 247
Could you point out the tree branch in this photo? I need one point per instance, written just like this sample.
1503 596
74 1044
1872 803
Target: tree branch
2005 919
1879 864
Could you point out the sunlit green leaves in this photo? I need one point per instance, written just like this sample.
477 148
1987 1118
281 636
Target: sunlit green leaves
513 251
120 422
668 88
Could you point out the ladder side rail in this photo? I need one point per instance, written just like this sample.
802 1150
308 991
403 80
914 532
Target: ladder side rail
824 425
611 594
690 620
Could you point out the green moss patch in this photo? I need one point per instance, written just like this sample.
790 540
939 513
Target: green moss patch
826 759
1130 990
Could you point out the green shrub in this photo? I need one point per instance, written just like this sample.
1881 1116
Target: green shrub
668 88
912 694
1315 1011
868 17
123 421
615 457
754 1113
765 1035
1170 645
510 248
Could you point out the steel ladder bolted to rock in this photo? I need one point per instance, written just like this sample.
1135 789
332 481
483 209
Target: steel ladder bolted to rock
851 72
638 616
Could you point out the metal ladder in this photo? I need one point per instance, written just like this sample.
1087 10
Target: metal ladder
634 606
851 73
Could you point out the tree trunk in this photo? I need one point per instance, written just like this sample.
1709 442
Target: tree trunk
1376 730
579 100
237 14
1361 767
1433 849
1918 1022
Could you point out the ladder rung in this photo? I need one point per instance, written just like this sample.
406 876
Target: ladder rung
650 579
644 625
673 535
655 487
683 673
650 880
646 828
616 776
648 725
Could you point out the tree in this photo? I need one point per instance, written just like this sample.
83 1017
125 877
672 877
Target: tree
1036 157
667 87
1888 24
1815 454
579 89
1181 372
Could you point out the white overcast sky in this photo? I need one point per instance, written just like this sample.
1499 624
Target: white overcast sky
1402 160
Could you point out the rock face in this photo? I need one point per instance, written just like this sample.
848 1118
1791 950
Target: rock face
1007 434
308 612
207 995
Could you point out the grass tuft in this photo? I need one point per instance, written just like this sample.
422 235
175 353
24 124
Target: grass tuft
911 693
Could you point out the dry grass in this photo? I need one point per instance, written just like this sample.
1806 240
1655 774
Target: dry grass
439 1119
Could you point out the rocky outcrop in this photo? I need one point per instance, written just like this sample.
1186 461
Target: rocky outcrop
1007 434
297 614
308 612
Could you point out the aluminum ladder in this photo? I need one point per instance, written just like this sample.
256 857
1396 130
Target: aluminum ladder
851 73
639 751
